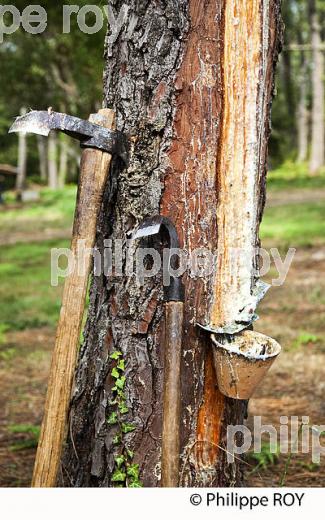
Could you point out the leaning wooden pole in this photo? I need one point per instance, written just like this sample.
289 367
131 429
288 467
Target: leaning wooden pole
94 171
193 89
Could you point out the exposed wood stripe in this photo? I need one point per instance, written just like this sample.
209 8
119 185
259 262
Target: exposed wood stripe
238 198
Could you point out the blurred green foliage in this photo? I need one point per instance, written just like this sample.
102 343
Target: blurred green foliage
291 175
63 71
283 141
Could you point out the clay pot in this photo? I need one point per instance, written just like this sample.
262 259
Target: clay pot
242 360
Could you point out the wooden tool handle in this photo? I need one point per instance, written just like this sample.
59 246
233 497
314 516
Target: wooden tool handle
170 455
93 177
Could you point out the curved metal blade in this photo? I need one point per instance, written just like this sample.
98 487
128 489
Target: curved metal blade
149 227
43 121
154 225
35 122
174 290
90 135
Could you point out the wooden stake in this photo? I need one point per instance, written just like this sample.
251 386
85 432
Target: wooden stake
93 176
170 451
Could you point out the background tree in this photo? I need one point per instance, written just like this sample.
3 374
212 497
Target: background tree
298 116
65 70
317 154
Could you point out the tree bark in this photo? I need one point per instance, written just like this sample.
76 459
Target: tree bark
317 154
192 86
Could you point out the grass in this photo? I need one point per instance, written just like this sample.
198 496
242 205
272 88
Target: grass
313 467
317 296
295 225
54 210
27 298
28 436
307 339
3 330
268 456
8 354
294 176
29 301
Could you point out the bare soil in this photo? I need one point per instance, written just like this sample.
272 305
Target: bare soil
296 196
295 385
24 366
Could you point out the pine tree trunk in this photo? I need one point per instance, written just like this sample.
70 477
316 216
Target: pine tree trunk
52 161
42 156
63 162
302 113
22 160
192 85
317 154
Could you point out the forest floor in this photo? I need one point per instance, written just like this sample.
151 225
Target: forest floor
294 314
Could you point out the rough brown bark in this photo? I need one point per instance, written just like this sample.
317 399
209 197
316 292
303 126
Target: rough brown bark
165 78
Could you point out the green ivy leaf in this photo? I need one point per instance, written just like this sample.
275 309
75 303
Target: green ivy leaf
130 454
116 354
112 419
126 428
118 476
115 373
121 365
121 394
120 459
123 408
117 440
120 382
133 471
135 485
